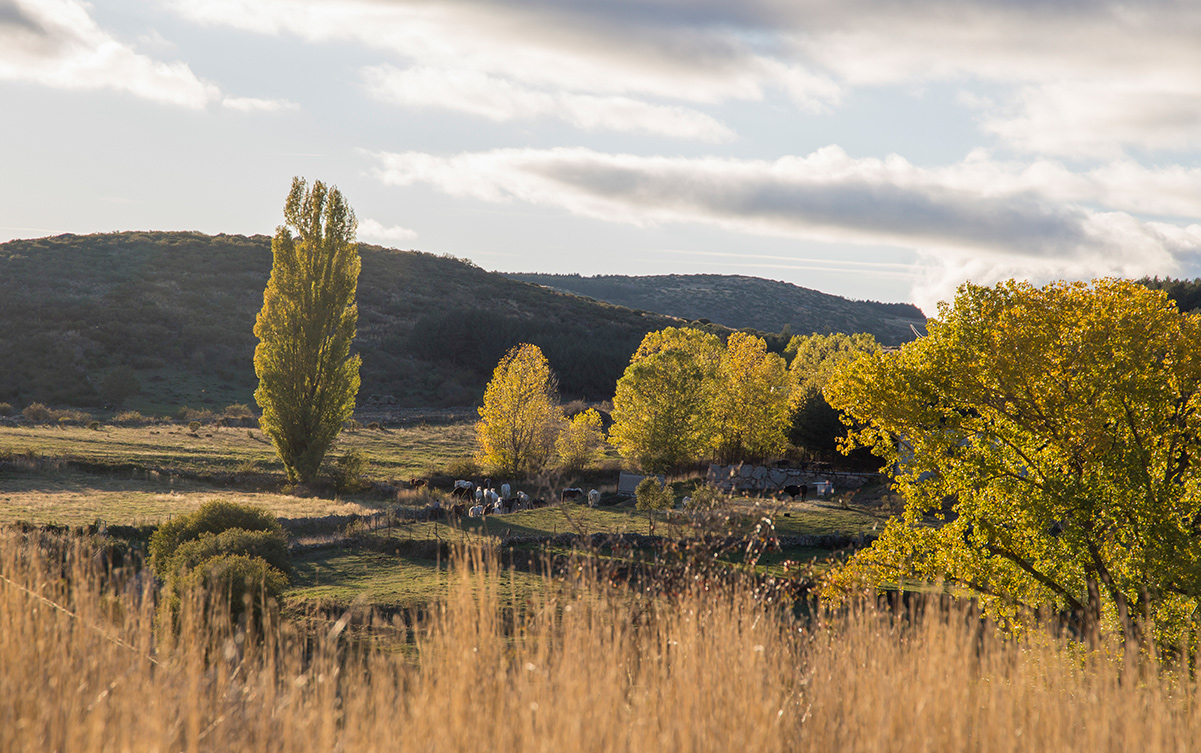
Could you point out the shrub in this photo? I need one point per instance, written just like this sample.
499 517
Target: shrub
6 409
270 546
131 418
191 414
652 494
194 426
347 471
238 410
38 414
240 579
374 426
211 517
94 425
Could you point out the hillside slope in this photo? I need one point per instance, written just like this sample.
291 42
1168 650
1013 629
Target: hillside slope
738 301
179 308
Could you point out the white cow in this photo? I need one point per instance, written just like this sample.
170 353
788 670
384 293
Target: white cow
476 511
505 491
593 498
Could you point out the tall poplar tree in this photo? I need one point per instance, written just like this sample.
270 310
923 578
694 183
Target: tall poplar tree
307 378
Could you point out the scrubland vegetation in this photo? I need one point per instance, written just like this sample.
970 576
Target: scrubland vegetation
578 664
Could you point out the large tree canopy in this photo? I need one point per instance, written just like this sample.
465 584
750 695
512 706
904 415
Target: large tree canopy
520 418
660 417
1046 442
307 378
748 402
815 426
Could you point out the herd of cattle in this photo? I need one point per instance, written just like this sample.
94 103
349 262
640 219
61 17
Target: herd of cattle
477 500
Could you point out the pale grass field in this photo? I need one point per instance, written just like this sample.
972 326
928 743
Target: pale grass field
582 668
400 453
72 498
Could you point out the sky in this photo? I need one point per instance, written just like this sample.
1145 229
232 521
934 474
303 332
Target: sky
874 149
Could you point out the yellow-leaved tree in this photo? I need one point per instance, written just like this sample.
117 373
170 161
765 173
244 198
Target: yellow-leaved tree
814 425
660 417
748 402
582 441
307 378
1047 443
520 418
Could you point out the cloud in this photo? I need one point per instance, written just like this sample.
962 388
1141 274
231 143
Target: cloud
664 50
378 231
250 104
1078 78
975 216
503 100
1100 118
57 43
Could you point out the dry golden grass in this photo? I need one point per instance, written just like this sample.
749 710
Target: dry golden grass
71 497
584 669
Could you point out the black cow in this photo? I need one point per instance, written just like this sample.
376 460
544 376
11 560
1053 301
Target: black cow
797 490
571 493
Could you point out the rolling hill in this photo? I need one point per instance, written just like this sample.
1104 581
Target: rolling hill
178 308
738 302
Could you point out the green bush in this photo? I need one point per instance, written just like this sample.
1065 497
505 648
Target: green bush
347 471
212 517
270 546
237 578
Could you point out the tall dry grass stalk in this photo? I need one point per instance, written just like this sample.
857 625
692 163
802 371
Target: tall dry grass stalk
586 669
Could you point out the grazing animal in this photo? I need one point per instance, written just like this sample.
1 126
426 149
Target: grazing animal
476 511
593 498
797 490
537 502
457 510
417 483
479 494
571 493
505 490
462 490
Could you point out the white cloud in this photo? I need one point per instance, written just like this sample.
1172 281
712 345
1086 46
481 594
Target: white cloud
503 100
1087 78
57 43
1100 118
251 104
989 219
375 230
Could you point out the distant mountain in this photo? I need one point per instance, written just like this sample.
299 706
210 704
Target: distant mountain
738 301
179 309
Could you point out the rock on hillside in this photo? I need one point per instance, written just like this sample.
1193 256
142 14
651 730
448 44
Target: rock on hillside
738 301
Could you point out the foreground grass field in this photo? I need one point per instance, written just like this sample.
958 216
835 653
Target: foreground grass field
578 666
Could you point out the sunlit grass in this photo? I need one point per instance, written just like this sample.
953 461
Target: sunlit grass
577 666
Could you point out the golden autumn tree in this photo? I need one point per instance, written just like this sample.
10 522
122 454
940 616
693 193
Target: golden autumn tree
660 408
307 378
1053 437
520 418
581 441
748 402
814 425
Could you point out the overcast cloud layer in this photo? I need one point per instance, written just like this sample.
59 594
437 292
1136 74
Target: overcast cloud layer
851 145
